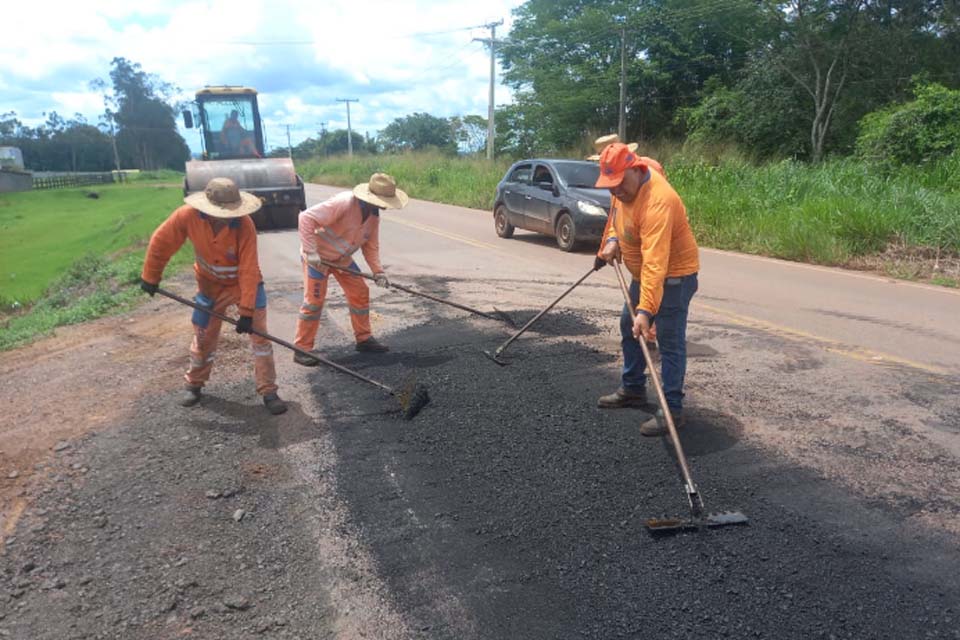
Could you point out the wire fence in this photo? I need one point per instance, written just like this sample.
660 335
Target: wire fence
72 180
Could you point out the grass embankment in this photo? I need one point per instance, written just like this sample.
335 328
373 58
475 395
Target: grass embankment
466 182
841 212
67 258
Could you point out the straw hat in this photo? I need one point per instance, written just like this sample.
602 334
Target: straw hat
602 142
222 199
381 192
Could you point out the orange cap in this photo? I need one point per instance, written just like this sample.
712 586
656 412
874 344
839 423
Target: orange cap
614 162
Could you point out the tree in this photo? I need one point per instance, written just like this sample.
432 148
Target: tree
142 110
469 132
563 60
814 46
418 131
915 132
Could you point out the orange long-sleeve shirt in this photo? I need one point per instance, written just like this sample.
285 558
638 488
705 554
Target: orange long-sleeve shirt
335 229
655 239
227 258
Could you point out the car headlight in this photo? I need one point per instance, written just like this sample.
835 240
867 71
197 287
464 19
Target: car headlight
590 208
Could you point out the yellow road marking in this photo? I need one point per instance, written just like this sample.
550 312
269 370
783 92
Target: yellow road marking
857 353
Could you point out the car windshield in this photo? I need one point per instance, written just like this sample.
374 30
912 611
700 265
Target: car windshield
578 174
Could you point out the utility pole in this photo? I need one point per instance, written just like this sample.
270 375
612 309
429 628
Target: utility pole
289 146
116 156
622 127
349 129
492 41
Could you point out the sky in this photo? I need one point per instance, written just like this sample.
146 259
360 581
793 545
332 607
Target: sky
396 57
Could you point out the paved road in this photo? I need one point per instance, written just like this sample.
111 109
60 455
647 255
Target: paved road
824 403
859 315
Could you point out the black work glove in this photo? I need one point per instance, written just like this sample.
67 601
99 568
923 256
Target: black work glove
245 324
599 263
149 287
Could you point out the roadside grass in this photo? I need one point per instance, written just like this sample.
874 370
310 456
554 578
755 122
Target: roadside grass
467 182
43 233
832 213
92 287
166 176
67 258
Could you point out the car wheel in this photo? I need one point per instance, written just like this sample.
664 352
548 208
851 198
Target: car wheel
566 232
502 224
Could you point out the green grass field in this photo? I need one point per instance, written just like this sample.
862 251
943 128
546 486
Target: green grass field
43 233
830 213
67 258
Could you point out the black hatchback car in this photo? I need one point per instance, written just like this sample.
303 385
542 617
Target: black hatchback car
553 197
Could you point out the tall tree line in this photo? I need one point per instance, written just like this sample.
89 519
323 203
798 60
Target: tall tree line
777 78
137 129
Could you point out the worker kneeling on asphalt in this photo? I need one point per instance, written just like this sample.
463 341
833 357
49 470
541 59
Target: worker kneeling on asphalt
333 231
650 234
224 240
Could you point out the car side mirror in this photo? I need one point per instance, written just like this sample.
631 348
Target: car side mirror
188 119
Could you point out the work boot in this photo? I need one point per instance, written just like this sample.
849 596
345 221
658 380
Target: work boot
370 345
274 404
189 396
622 398
657 424
305 360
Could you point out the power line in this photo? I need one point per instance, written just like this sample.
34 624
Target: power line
421 34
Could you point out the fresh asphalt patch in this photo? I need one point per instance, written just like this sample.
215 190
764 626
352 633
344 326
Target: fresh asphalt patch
511 507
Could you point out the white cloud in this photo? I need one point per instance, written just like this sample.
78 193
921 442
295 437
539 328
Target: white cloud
396 57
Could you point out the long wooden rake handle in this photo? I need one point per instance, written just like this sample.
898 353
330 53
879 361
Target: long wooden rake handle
414 292
693 496
530 323
280 341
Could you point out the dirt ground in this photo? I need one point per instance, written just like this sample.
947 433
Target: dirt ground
511 507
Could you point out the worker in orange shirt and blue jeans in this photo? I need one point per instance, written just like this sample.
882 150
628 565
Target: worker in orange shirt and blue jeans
651 236
217 223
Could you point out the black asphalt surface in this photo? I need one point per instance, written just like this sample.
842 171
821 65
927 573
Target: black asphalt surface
511 507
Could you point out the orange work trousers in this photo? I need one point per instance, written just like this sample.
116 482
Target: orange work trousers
206 334
315 283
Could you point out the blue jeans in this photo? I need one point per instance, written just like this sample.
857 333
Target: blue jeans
671 323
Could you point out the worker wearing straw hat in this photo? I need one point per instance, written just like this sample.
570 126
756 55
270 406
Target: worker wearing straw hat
217 222
332 231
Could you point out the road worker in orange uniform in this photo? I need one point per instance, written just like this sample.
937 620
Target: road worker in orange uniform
651 235
333 231
217 222
599 145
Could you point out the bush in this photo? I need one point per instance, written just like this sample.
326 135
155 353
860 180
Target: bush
916 132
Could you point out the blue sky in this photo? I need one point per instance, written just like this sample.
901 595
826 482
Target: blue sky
397 57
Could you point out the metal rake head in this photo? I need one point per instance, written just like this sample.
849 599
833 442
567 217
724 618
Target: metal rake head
659 526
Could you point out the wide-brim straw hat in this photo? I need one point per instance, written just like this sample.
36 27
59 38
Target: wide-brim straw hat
222 199
381 191
603 142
